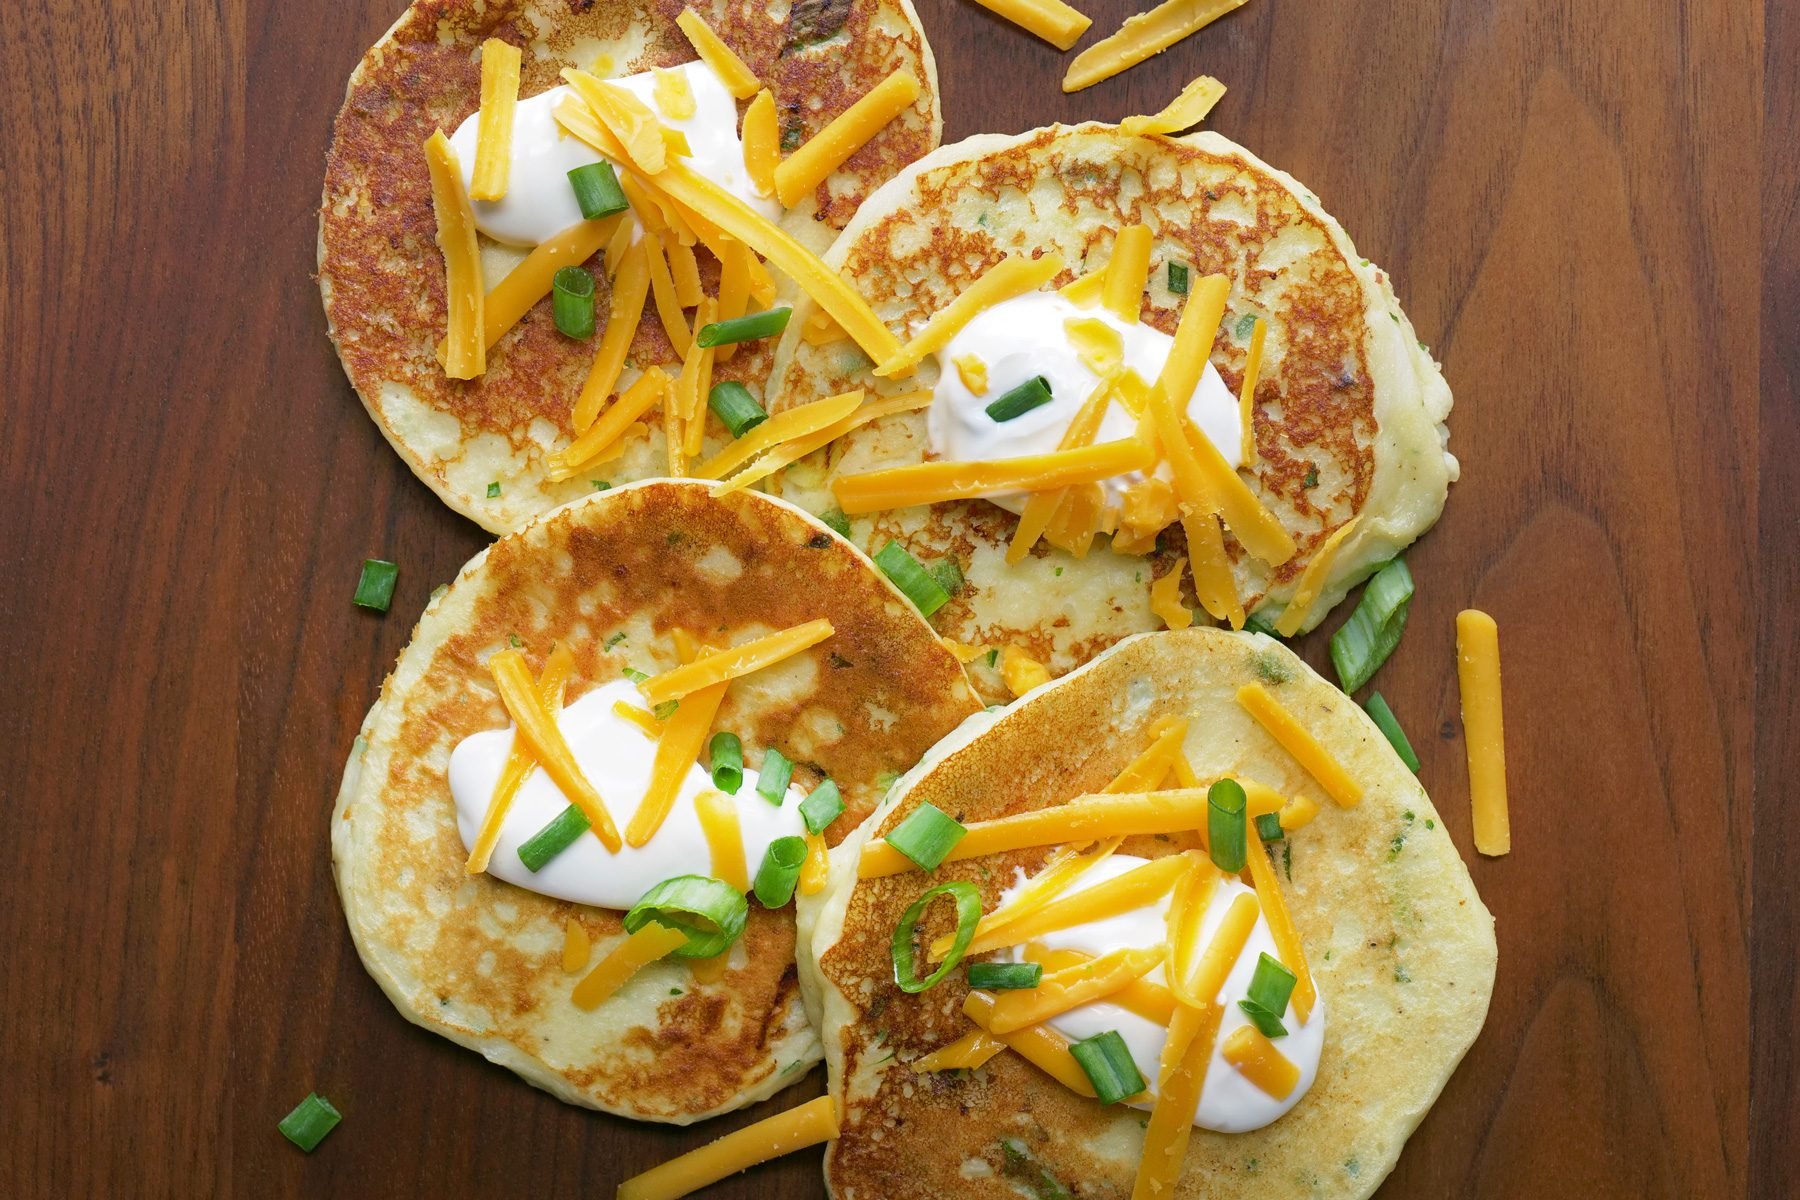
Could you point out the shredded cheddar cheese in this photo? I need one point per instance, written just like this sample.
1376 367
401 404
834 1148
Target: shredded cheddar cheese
1084 292
1312 579
679 748
1281 926
1123 290
1181 1076
1213 583
1021 671
973 372
1052 20
649 390
1012 276
964 1054
662 289
494 127
739 79
1140 37
1151 1001
674 98
1038 1045
1247 392
624 960
1183 112
508 301
577 947
646 722
537 725
1297 741
936 482
1083 983
1165 597
1257 1060
797 448
811 1123
639 134
724 838
806 168
1042 508
1122 893
816 870
784 426
762 142
1478 677
465 351
721 666
1063 868
519 762
1099 346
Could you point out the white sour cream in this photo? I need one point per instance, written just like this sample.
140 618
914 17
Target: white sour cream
1229 1103
616 757
1026 336
539 203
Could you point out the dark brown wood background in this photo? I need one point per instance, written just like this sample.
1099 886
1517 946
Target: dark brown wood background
1567 195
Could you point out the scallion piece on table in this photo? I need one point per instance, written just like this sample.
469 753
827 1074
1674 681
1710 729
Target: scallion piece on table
1389 724
553 838
1021 400
905 953
999 976
311 1120
823 805
1106 1061
727 758
1268 827
773 777
926 593
1267 997
1363 643
1178 278
927 835
597 190
779 872
375 588
710 911
744 329
1225 802
572 301
733 404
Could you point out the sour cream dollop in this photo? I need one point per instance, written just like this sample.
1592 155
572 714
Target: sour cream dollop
539 203
1229 1103
616 757
1028 335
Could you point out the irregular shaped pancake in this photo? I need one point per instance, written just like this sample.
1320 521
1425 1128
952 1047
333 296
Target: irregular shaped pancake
382 275
1398 943
479 961
1349 411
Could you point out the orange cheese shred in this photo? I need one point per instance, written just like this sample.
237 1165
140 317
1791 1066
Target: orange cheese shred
679 749
578 947
1141 36
538 727
1281 926
1122 291
817 868
797 448
651 387
1478 677
494 126
519 762
807 167
964 1054
1257 1060
724 838
762 142
721 666
1312 579
1297 741
1082 983
1165 597
784 426
465 353
508 301
629 289
738 79
1052 20
811 1123
1011 277
1038 1045
1136 888
937 482
624 960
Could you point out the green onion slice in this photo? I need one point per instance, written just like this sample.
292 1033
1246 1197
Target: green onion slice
1031 394
311 1120
1389 724
948 574
710 911
999 976
773 777
1178 278
375 588
835 520
1225 802
1364 642
493 490
635 675
1267 997
823 805
553 838
1106 1061
727 758
597 190
735 407
1268 827
1254 623
968 914
572 301
1268 1022
744 329
926 593
926 836
779 872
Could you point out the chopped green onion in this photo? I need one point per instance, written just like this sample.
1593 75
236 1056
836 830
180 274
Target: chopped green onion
1267 997
773 777
926 836
823 805
835 520
1106 1061
665 710
727 758
968 914
1021 400
779 872
600 485
553 838
572 301
926 593
375 589
1178 278
949 576
311 1120
1225 802
1268 827
1254 623
1389 724
597 190
999 976
733 404
710 911
493 489
1363 643
744 329
635 675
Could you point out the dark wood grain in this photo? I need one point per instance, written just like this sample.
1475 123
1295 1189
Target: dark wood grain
1568 196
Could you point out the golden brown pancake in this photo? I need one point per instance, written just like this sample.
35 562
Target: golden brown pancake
479 960
1349 408
1399 945
382 275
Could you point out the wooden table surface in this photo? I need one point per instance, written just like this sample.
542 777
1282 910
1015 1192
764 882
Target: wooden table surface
1567 195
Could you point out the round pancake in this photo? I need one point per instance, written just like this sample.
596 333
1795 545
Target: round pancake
1399 945
382 275
1350 408
478 960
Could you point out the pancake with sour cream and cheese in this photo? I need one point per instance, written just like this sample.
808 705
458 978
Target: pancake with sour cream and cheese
1317 987
488 405
666 637
1062 264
